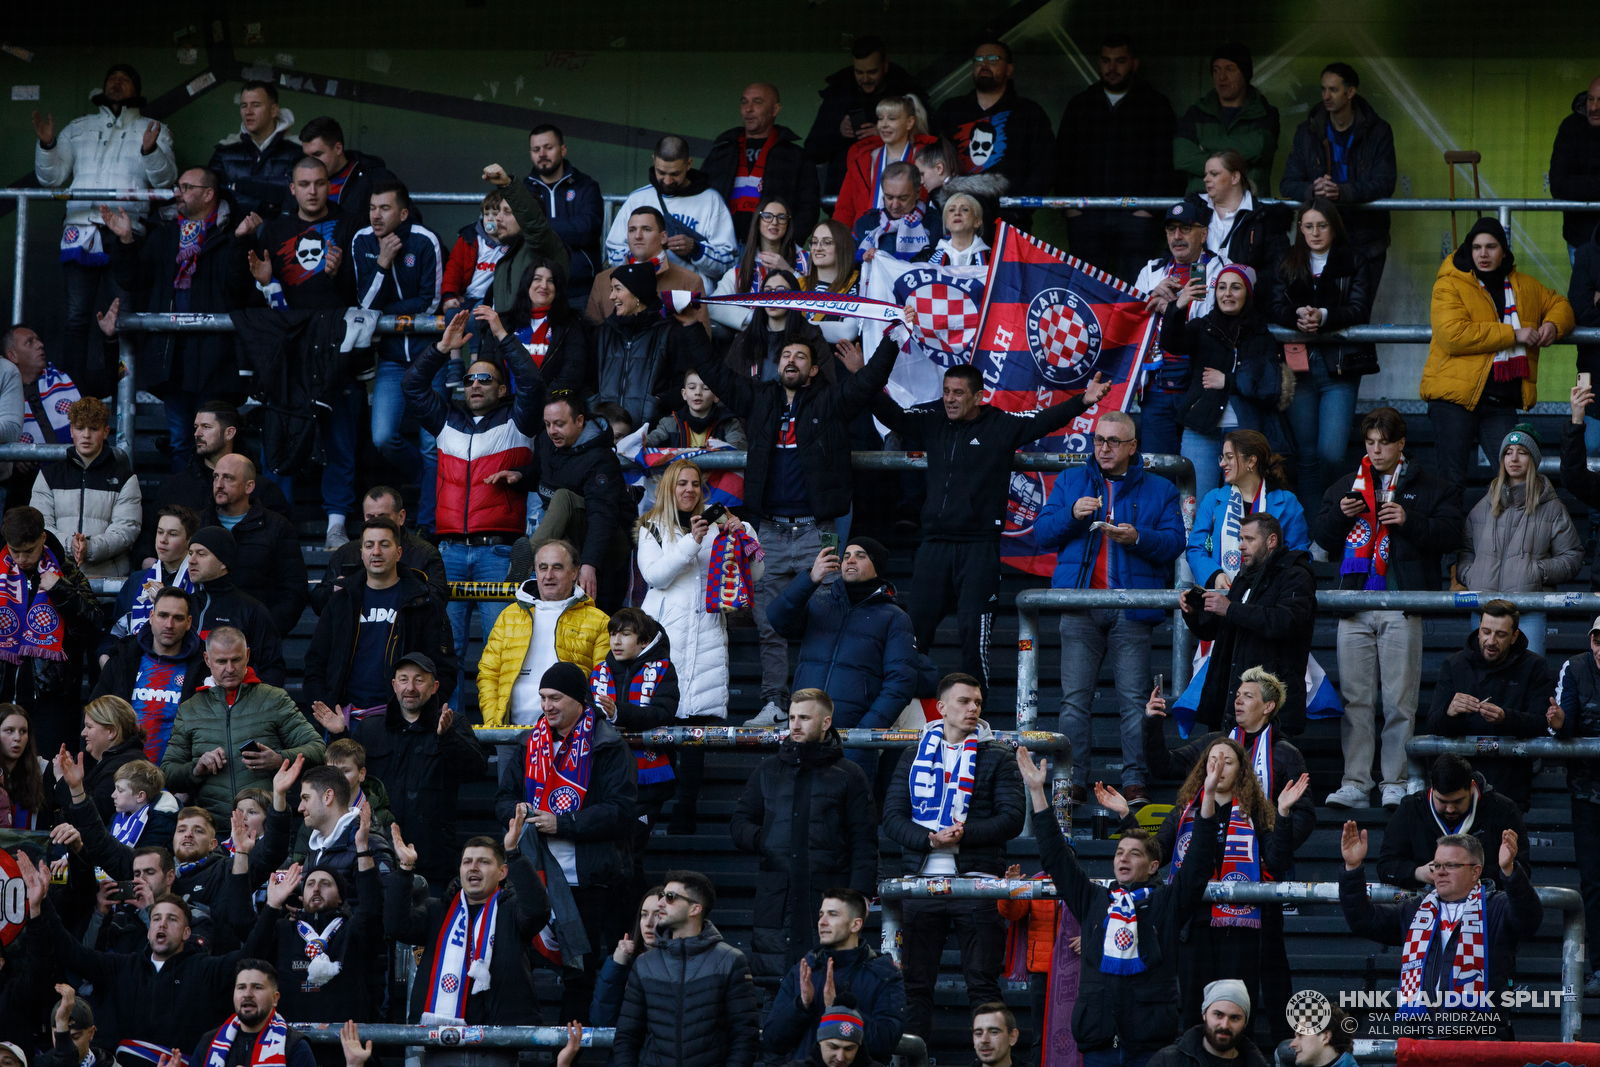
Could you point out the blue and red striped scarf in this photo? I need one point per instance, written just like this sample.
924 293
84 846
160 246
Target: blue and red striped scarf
29 627
654 766
1241 862
747 178
729 586
191 236
556 774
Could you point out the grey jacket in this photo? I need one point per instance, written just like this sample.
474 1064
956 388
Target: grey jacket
1517 553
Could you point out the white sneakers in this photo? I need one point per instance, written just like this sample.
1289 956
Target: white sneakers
771 715
1348 796
336 537
1393 795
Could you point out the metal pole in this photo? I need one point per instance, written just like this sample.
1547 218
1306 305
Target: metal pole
19 263
1574 948
764 738
892 923
1504 212
1027 667
127 397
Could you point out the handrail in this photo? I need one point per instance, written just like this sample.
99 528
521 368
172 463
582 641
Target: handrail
894 891
1491 747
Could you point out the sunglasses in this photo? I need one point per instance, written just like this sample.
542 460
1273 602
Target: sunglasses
481 376
672 897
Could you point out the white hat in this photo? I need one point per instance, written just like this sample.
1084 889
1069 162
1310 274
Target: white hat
1229 989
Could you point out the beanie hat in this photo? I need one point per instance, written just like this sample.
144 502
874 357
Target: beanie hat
1243 270
639 279
1229 989
842 1024
219 543
133 76
338 880
1239 55
569 680
1522 434
875 552
323 968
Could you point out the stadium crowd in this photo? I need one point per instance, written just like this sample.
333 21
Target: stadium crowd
212 859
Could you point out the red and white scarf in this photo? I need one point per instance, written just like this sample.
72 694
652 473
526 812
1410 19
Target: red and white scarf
269 1048
535 336
461 958
191 237
1467 974
747 177
1510 363
1366 546
1241 862
729 586
29 628
658 262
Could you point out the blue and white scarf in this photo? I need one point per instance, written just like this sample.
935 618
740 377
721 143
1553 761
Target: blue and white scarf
323 968
269 1048
939 798
1119 953
1229 558
57 394
910 235
149 586
128 825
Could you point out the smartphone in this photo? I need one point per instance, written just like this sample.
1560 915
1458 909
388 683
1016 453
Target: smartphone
251 745
1583 380
862 117
830 540
126 891
714 514
1160 688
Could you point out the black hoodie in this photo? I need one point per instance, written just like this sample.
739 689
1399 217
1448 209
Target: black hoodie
1575 170
842 96
646 695
221 603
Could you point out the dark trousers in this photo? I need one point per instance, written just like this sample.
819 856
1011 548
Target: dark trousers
1585 825
1118 242
84 354
603 925
980 934
1457 431
963 576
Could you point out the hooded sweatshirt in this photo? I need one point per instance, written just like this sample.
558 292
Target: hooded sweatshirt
694 210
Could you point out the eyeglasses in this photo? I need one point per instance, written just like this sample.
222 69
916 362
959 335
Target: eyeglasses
483 377
767 216
979 61
1438 868
1315 227
184 187
672 897
1111 442
822 242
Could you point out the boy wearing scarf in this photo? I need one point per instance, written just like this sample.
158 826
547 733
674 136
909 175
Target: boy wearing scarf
138 821
255 1035
1127 1004
574 781
1460 938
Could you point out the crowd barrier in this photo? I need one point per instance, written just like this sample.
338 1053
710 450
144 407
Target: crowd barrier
1427 746
742 737
895 891
912 1048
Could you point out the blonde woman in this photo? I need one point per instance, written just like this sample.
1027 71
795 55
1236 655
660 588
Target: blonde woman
961 246
1519 537
111 737
902 130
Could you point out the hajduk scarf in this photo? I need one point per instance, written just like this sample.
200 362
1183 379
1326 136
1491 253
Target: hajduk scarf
1467 974
939 798
81 244
128 825
191 237
729 586
269 1048
556 776
151 584
1241 862
806 301
1228 555
1465 825
1119 953
910 235
461 957
29 628
758 270
57 394
145 1051
535 336
1510 363
881 163
747 178
323 968
1260 751
654 766
1366 546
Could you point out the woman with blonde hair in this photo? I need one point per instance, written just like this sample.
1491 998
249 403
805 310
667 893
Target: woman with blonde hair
112 736
962 244
902 130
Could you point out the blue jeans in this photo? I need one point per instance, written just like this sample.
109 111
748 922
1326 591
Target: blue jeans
430 451
1087 637
1205 452
1320 416
1159 428
472 563
1591 435
388 419
180 406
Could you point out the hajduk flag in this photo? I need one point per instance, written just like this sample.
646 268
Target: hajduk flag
1322 699
1049 323
948 302
725 487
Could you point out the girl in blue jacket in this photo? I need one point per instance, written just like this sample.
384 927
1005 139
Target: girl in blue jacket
1252 480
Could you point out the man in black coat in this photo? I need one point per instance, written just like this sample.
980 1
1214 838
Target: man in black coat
849 107
1263 620
193 264
219 602
1116 140
758 159
422 752
997 130
808 813
256 161
371 621
1457 801
1496 685
1220 1037
583 829
938 838
351 174
1344 152
247 1032
1578 693
586 500
1575 164
416 554
270 567
158 667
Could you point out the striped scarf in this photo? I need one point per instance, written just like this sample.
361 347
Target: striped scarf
1229 557
810 302
462 954
1366 546
910 235
729 586
269 1048
939 798
556 775
1241 862
1260 751
129 825
747 176
1467 973
29 627
57 394
654 766
323 968
1119 953
191 237
153 582
1510 363
535 336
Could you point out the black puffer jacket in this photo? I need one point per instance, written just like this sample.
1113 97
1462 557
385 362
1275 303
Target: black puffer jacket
270 565
419 626
259 176
690 1002
1344 290
808 813
1575 170
634 358
1414 831
822 420
590 468
1256 379
220 602
1371 174
1434 523
1124 150
1578 689
788 175
360 934
994 815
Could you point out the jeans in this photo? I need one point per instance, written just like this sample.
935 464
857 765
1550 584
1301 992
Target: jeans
1205 452
1591 435
471 563
1086 638
1159 429
180 405
430 451
83 352
388 419
1456 430
981 935
1320 416
789 549
1585 827
1379 651
1118 242
339 473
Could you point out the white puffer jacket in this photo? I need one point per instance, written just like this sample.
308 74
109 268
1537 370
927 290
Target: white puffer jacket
676 570
105 151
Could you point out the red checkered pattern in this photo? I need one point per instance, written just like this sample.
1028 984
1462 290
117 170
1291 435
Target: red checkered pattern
946 317
1064 337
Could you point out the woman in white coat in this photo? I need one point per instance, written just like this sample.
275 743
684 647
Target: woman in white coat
675 546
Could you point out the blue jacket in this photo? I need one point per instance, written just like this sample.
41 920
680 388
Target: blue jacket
609 986
790 1030
577 215
864 655
410 286
1148 503
1205 550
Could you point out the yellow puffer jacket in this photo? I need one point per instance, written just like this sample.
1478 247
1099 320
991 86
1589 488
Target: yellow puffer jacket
581 638
1467 332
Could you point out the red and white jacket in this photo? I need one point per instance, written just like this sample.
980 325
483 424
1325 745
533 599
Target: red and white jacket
470 269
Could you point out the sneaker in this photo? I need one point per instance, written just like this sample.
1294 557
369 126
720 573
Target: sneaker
771 716
1348 796
336 538
1393 795
1318 554
1135 795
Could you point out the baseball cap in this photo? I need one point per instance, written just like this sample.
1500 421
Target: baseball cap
1188 213
419 660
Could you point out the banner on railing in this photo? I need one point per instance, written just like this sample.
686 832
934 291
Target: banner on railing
722 487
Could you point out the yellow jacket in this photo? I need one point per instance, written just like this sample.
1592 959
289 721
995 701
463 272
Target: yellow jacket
581 638
1467 332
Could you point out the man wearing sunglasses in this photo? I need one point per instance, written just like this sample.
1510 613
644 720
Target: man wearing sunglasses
996 131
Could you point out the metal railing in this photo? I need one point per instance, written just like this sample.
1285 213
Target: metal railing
1329 601
912 1047
743 737
1427 746
894 891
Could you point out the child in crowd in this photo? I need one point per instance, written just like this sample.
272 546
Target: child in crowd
145 812
701 419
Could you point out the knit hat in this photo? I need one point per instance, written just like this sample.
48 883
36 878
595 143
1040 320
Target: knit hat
639 279
1522 434
219 543
1243 270
842 1024
339 880
875 552
1239 55
1229 989
133 76
569 680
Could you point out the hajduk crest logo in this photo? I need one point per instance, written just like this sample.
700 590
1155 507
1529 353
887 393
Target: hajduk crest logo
947 310
1064 337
